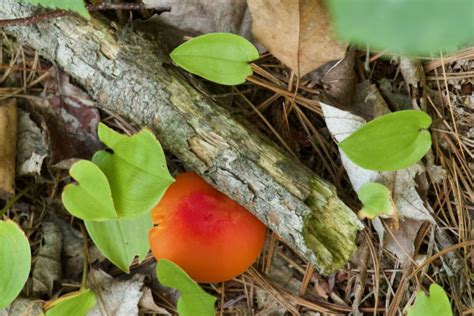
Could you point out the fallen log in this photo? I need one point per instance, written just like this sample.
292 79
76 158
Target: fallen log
127 76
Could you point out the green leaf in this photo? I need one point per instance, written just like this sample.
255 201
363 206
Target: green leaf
377 200
15 261
91 198
405 26
120 240
77 6
219 57
73 304
136 170
193 299
390 142
435 304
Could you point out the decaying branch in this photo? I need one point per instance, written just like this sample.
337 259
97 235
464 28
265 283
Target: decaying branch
127 77
8 124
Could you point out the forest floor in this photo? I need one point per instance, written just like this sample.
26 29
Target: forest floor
385 272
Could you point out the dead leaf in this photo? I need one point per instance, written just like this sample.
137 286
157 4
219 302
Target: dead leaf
297 32
73 250
148 303
340 80
71 118
23 307
32 146
47 267
400 242
196 17
115 297
8 136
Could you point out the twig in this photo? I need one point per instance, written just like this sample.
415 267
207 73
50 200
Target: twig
61 13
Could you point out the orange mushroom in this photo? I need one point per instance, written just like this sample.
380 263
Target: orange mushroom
210 236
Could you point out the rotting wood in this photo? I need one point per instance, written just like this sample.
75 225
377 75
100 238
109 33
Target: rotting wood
128 77
8 126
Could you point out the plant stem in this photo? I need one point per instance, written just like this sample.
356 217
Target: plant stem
86 258
14 199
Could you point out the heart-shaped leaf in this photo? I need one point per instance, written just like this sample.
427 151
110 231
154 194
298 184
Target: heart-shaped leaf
91 198
219 57
120 240
77 303
396 26
136 170
77 6
377 200
193 299
435 304
390 142
15 261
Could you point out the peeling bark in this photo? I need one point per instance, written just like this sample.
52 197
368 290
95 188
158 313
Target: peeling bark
128 76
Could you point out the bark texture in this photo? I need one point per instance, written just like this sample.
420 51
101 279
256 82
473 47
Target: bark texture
127 75
8 125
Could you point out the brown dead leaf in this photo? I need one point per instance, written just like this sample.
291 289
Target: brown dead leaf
71 118
296 32
196 17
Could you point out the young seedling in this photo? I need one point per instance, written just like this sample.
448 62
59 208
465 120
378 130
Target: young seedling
192 300
206 233
377 201
390 142
437 303
219 57
115 193
76 303
15 261
396 26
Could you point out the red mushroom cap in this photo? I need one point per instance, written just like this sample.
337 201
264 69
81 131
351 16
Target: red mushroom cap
210 236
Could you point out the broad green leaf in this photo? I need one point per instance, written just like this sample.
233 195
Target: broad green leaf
136 170
193 299
390 142
435 304
73 304
120 240
91 198
219 57
376 199
15 261
408 27
108 136
77 6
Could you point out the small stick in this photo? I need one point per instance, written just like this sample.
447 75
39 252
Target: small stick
8 125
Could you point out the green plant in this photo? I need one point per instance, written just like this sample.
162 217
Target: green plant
219 57
377 200
76 303
116 191
437 303
15 261
193 300
77 6
405 26
390 142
